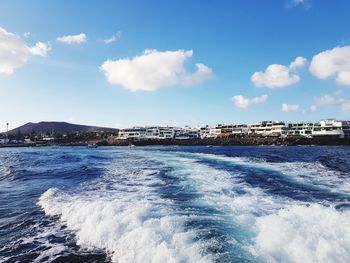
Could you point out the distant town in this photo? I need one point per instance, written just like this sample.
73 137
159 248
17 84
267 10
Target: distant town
334 128
328 131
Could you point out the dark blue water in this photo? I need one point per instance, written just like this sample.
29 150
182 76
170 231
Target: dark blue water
175 204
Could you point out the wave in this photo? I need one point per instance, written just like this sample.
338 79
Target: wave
158 206
313 176
274 229
300 233
131 225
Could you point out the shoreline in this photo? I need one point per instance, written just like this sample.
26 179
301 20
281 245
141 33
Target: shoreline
230 141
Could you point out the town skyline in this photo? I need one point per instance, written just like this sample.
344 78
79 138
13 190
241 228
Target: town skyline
197 64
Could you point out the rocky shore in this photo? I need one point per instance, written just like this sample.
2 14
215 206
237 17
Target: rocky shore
231 141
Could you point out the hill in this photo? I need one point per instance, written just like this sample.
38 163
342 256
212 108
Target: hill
61 127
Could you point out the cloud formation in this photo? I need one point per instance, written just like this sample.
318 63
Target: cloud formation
333 63
278 76
14 52
72 39
40 49
153 70
242 102
336 99
290 107
113 38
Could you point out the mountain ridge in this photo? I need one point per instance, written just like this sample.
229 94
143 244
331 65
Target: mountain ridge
56 126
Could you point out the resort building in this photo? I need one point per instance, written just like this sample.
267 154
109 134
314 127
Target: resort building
214 132
332 127
147 133
303 128
132 133
204 132
241 129
329 127
167 132
269 128
187 133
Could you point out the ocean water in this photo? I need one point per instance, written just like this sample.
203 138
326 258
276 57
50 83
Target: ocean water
175 204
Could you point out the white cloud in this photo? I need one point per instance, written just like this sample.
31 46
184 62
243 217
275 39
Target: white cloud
202 73
40 49
14 52
327 99
72 39
278 76
290 107
335 99
241 102
113 38
332 63
153 70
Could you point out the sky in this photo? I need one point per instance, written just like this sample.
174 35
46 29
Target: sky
131 63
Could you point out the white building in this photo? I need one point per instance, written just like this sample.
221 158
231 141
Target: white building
240 129
332 127
132 133
329 127
204 132
147 133
269 128
187 133
167 132
303 128
214 132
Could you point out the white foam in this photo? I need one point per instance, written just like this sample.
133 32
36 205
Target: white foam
304 234
285 230
313 173
50 254
132 226
138 226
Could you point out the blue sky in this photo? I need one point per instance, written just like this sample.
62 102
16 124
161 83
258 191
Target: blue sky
152 77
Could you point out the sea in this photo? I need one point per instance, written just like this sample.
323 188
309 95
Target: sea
175 204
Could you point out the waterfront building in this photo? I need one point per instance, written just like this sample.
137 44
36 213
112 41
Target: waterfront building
226 130
303 128
204 132
148 133
132 133
328 127
214 132
331 127
152 133
167 132
241 129
187 133
269 128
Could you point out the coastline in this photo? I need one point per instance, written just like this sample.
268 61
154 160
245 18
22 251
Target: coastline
230 141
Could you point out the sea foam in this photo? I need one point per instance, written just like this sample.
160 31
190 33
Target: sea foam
304 234
137 225
131 226
283 230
